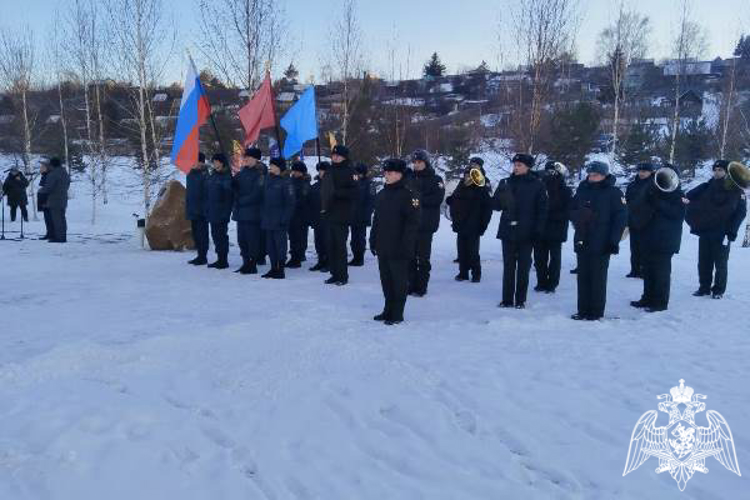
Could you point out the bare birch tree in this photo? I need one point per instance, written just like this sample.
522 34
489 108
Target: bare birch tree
624 40
240 37
57 70
346 56
546 31
689 43
17 73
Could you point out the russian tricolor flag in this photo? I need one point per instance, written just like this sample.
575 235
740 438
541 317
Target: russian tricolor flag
194 111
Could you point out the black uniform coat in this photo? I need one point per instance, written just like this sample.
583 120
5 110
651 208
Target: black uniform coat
365 203
559 198
430 188
219 197
41 198
633 195
15 189
195 196
523 202
55 189
599 216
396 222
338 192
302 189
662 233
314 203
470 209
278 203
715 211
249 186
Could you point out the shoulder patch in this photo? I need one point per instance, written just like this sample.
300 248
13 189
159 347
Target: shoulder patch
415 202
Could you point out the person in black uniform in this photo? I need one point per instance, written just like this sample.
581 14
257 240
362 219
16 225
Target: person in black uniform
299 226
249 186
318 223
660 213
642 182
362 218
715 212
599 216
338 192
426 184
393 239
14 188
471 210
41 199
522 199
219 203
195 208
278 208
55 192
548 248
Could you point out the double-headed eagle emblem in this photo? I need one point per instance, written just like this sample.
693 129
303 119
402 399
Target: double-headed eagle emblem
681 446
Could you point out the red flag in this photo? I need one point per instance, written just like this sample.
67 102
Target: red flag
259 113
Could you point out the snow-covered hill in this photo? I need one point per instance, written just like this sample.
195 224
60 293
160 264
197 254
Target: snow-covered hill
128 374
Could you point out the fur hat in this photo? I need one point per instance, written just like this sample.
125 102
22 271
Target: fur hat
253 153
597 167
476 161
54 162
341 151
299 166
722 164
220 157
278 162
394 165
645 167
421 155
527 160
322 166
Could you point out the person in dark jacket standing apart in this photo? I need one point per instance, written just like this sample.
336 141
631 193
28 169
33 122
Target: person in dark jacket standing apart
14 188
642 182
338 192
55 192
362 218
429 186
219 203
318 223
599 214
299 226
41 199
471 210
715 212
249 186
522 199
195 209
393 239
548 248
660 213
278 208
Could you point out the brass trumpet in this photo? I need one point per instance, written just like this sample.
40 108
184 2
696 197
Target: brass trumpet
738 175
475 177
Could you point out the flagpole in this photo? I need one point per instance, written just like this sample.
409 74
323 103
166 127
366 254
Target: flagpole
317 146
211 113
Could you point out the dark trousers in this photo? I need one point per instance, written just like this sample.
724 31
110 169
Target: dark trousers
298 234
220 236
468 254
657 272
200 236
59 225
358 242
516 267
419 270
47 223
547 262
393 279
337 263
636 251
320 233
276 247
262 246
592 284
249 239
24 212
713 262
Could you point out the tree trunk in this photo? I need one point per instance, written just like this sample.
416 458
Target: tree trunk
615 121
102 146
64 125
676 118
727 113
27 151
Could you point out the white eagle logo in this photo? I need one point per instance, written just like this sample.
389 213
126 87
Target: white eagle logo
681 446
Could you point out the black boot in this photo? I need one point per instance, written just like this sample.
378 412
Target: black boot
357 261
242 270
221 263
317 267
249 268
462 276
278 273
476 275
294 263
198 261
381 317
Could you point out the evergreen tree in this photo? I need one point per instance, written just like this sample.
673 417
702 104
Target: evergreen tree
434 67
743 48
694 145
291 74
571 134
639 145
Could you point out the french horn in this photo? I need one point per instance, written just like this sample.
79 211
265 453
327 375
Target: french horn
738 175
666 179
476 178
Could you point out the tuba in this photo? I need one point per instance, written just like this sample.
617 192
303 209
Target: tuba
738 175
476 178
666 179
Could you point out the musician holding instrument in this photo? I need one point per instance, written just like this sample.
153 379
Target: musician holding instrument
634 192
715 211
470 207
658 212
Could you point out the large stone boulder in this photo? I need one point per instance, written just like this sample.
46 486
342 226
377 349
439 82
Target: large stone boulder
166 227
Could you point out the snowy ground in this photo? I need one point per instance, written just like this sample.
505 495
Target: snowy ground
128 374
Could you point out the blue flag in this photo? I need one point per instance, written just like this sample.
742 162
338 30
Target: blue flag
300 123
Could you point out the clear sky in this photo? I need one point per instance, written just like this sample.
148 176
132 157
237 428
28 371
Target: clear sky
463 32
